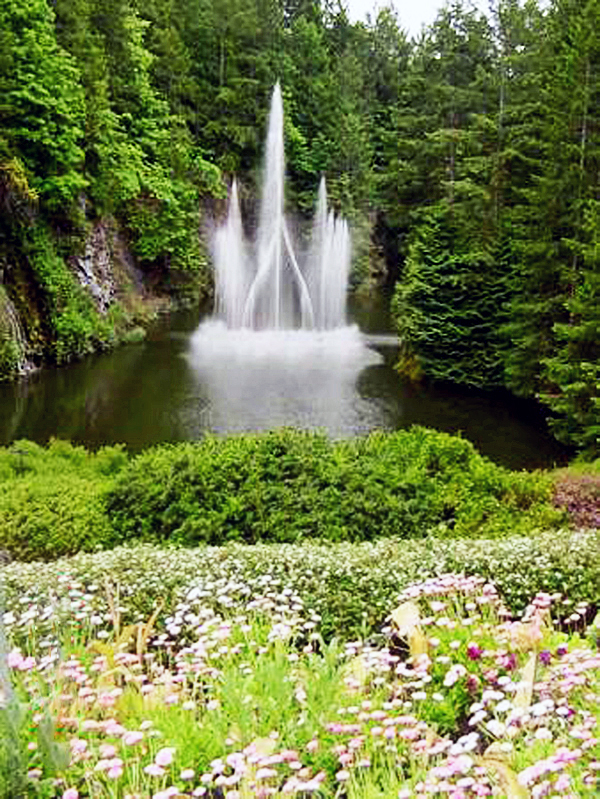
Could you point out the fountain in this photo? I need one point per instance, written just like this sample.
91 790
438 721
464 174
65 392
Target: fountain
278 350
270 284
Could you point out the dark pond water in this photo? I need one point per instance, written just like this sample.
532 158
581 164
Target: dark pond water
183 381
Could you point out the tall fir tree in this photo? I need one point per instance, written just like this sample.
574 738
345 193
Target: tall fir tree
569 374
450 300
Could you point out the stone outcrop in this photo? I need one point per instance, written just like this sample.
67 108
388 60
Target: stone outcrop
106 268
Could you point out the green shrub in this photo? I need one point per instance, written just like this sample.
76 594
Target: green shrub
59 457
45 518
286 486
76 327
281 487
10 351
9 356
51 499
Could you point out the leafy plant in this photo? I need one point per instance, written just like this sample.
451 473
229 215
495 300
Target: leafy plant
50 503
285 486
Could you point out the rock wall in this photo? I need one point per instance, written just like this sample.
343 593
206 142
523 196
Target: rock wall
34 312
106 269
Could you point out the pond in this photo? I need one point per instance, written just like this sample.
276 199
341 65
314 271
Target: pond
184 380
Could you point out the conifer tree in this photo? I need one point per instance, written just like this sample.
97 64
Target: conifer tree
450 298
569 373
574 368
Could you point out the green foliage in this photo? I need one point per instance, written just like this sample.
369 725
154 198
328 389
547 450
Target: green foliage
554 339
492 186
282 486
51 499
575 368
468 158
450 301
41 116
17 198
263 667
352 587
14 722
10 351
75 327
287 486
448 305
9 355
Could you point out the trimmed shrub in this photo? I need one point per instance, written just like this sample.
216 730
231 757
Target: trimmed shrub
46 518
286 486
51 499
282 486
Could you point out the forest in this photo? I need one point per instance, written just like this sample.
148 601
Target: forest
467 161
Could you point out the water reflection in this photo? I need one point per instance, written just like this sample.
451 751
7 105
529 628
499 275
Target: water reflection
508 430
257 380
184 381
127 395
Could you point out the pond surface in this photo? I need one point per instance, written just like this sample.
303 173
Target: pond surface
185 380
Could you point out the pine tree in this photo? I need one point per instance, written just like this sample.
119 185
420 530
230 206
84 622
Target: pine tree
450 301
532 205
574 369
569 374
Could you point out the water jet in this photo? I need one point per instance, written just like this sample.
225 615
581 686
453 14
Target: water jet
271 283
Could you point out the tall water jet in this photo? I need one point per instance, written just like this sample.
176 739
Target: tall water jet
277 288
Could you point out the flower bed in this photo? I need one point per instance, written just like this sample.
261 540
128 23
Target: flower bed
230 689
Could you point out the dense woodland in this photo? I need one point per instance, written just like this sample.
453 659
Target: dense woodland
468 162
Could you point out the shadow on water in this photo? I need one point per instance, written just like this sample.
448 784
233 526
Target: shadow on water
506 430
180 383
129 395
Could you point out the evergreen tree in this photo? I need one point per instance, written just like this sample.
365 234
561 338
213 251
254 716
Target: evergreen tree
574 368
569 373
308 90
385 64
450 299
531 203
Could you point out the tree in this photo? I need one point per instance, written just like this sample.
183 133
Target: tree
574 368
569 372
449 303
41 106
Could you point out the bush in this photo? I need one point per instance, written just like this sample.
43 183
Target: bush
51 499
281 487
286 486
577 490
9 356
46 518
10 350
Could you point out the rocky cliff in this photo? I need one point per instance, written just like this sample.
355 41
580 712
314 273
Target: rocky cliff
61 299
